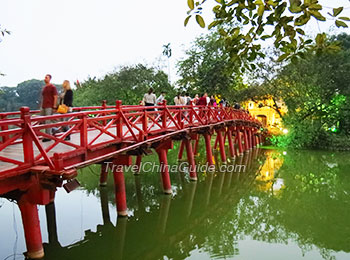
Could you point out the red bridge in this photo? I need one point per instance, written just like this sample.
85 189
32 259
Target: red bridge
31 170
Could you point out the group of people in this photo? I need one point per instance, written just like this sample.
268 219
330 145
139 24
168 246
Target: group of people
182 99
51 100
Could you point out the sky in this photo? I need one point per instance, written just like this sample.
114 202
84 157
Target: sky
75 39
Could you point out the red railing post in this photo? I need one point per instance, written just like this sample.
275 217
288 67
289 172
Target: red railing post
145 123
190 114
3 128
179 117
164 117
118 123
83 131
28 151
104 106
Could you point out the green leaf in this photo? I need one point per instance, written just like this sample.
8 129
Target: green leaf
337 11
190 4
317 15
339 23
222 32
308 41
301 20
264 37
300 31
186 20
261 10
320 39
344 18
213 24
200 21
315 7
283 57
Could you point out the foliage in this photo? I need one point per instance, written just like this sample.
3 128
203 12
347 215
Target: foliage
128 84
26 93
207 68
316 93
253 20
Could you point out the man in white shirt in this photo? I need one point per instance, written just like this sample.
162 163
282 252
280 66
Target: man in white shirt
160 99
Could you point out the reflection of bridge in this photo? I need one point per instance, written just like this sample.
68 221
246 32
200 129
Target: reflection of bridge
31 170
173 230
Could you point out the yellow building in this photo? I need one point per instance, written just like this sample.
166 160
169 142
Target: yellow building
265 112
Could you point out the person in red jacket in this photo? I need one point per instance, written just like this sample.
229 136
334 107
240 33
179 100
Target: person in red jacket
202 101
48 102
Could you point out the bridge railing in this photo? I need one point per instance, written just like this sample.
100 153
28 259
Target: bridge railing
94 127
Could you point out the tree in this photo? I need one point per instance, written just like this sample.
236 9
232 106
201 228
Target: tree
128 84
252 18
316 93
28 93
207 68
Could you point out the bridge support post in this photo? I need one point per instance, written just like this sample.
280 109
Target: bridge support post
190 158
164 169
250 138
230 143
181 150
246 142
239 141
32 232
221 145
119 186
104 174
207 138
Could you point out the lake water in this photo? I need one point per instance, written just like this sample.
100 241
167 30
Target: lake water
286 205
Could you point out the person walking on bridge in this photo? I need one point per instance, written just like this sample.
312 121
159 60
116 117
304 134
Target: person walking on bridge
66 98
48 102
179 100
160 99
150 99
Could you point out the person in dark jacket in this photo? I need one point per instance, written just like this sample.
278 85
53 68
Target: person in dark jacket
66 98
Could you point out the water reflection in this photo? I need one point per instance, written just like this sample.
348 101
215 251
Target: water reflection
298 202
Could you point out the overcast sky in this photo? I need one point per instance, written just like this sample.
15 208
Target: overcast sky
74 39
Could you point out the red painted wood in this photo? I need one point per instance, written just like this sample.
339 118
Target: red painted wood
32 232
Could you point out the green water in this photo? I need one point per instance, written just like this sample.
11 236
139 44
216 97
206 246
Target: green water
287 205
